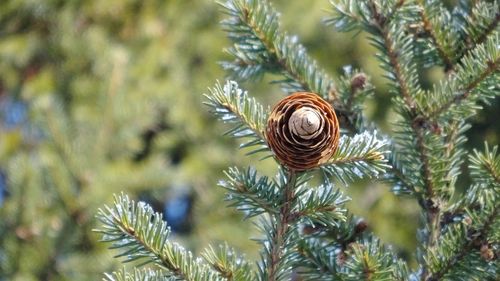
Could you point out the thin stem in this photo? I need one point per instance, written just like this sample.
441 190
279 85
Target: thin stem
425 169
297 215
489 29
468 246
492 171
347 160
256 198
428 200
317 264
381 24
466 91
283 220
162 256
428 27
431 207
398 174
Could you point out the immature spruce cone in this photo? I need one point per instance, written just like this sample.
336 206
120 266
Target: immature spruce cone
302 131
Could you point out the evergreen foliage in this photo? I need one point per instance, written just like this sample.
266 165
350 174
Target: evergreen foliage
231 104
307 231
86 91
83 142
143 234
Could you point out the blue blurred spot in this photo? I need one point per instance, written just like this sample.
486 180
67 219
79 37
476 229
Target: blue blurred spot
178 213
3 187
13 113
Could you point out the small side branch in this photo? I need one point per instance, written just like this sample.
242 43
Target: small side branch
428 27
425 169
283 223
482 38
393 59
408 99
469 245
466 91
491 27
141 233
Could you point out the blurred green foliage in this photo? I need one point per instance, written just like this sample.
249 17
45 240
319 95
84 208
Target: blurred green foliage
114 96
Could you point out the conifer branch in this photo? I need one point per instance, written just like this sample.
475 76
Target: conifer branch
466 90
251 194
137 275
319 260
231 104
283 222
482 21
256 23
429 27
260 46
320 207
400 64
402 74
398 61
381 24
485 167
403 183
358 156
464 247
479 213
351 255
370 260
424 159
141 233
414 114
353 88
488 30
229 265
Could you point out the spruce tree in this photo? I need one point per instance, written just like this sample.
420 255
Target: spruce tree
307 232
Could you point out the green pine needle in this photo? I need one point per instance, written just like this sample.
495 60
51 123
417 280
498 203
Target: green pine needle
229 265
363 155
233 105
141 234
138 275
251 194
485 167
260 46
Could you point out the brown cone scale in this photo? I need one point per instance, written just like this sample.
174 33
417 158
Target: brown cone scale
302 131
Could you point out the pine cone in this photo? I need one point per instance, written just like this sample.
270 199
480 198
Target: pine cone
302 131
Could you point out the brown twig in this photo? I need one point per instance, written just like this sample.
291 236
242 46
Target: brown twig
466 91
466 249
428 200
428 27
472 43
381 22
283 220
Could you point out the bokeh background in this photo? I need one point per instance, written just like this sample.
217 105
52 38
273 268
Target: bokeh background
100 97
